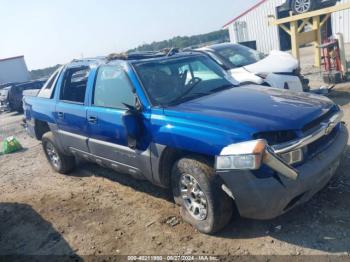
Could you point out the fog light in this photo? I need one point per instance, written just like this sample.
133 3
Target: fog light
293 157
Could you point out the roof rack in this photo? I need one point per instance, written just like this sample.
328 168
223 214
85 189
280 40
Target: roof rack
88 59
139 55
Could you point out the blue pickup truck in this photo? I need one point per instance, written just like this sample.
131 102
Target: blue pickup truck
181 122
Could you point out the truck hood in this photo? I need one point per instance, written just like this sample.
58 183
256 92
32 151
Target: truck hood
276 62
242 75
254 109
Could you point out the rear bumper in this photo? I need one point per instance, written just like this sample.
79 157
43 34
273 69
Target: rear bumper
268 198
30 127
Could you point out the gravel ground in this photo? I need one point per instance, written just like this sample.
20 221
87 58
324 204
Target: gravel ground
95 211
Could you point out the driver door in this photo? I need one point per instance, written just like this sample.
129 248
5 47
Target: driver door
108 137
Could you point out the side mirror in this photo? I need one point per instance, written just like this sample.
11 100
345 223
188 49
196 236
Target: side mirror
132 123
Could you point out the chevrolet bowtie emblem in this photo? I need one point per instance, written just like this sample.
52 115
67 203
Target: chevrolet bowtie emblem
329 128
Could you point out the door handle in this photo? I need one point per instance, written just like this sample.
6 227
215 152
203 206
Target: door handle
60 114
92 119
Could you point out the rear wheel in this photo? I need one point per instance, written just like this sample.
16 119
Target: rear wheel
198 191
60 162
302 6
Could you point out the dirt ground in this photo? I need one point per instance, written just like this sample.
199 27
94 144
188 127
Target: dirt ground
95 211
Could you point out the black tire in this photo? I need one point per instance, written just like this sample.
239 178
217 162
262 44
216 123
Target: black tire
297 10
60 162
219 206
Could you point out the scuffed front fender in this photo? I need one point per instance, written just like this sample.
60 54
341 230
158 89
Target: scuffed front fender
194 135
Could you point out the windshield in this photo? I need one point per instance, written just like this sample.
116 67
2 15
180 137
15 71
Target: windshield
173 81
237 55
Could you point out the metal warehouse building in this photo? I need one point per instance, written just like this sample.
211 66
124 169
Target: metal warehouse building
252 26
13 69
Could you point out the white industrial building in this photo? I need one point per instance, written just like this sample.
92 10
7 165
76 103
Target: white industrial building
252 26
13 69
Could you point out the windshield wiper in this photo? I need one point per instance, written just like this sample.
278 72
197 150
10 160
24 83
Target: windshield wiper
183 99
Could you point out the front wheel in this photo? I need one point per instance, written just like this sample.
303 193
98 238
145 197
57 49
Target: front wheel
198 191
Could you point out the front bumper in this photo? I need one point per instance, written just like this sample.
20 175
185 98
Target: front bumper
267 198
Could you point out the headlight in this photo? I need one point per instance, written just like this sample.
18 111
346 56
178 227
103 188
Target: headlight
243 156
250 156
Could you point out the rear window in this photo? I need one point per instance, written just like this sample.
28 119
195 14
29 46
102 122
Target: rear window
74 86
48 89
238 55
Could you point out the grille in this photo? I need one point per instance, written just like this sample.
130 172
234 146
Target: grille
320 144
275 138
315 124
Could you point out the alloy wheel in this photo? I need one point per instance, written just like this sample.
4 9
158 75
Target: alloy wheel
53 155
302 6
194 198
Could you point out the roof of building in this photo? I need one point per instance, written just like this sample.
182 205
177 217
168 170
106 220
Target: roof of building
11 58
244 13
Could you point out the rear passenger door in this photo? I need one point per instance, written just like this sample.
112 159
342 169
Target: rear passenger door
71 109
108 137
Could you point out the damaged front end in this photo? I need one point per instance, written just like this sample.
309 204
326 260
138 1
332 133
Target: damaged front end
267 179
251 155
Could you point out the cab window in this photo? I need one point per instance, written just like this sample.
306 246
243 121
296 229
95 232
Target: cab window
74 85
112 88
48 89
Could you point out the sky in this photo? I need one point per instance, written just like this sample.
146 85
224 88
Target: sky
56 31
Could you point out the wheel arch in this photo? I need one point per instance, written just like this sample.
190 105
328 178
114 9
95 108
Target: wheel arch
40 128
168 157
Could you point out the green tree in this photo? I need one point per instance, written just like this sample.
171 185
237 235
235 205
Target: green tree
186 41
